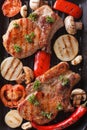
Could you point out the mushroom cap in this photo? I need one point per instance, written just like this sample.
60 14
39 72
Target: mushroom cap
79 91
29 75
70 25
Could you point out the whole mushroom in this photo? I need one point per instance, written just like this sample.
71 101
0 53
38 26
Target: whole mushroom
27 76
78 95
72 26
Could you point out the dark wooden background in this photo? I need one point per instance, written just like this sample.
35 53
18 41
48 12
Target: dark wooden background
81 69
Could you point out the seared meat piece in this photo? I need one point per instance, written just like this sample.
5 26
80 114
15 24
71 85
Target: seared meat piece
48 94
26 35
16 38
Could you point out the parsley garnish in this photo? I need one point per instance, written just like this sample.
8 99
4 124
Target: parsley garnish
64 80
16 25
33 16
61 77
32 99
59 107
49 19
17 48
46 114
36 85
29 37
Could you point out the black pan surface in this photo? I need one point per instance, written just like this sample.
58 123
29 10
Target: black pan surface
81 69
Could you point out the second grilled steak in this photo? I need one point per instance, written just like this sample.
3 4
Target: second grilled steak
48 94
26 35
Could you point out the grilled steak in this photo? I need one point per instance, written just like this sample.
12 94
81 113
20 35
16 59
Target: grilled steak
48 94
25 36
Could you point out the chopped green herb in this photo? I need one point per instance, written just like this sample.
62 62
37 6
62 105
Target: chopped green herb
16 25
65 81
61 77
33 16
29 37
36 85
36 103
46 114
32 99
59 107
49 19
17 48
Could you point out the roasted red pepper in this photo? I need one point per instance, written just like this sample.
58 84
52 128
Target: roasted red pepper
68 8
80 111
12 95
42 63
11 7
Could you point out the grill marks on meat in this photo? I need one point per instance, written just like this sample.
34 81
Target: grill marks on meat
43 31
50 94
16 36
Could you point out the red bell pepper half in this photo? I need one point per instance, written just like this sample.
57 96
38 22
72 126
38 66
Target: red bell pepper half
42 63
68 8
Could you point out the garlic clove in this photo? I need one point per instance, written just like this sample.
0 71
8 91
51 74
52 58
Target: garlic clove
26 125
23 11
77 60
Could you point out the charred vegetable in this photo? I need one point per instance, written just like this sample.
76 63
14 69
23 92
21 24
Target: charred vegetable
68 8
11 96
11 7
42 63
